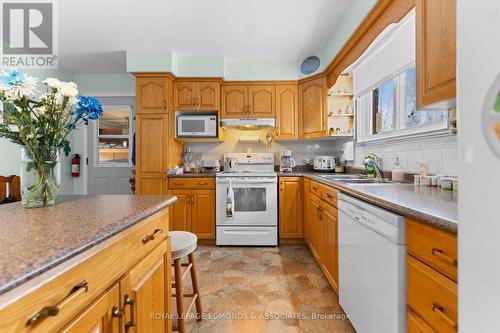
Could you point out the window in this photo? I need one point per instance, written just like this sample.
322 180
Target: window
389 110
113 139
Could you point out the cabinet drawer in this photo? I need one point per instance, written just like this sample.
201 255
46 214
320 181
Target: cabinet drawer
435 247
191 183
432 296
417 324
64 286
326 193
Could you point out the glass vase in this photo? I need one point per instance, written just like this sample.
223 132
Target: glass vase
40 176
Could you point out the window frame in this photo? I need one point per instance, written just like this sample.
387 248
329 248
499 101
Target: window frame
129 136
364 114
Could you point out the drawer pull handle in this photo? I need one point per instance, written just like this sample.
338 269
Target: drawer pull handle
130 301
440 311
52 311
314 188
439 253
151 237
179 184
115 312
328 195
203 183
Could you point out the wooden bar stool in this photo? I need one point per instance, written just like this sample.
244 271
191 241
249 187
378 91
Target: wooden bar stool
184 244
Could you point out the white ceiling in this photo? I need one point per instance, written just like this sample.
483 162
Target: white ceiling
94 34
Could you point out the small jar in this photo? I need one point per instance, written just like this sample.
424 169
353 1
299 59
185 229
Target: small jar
416 180
447 183
434 180
455 184
427 181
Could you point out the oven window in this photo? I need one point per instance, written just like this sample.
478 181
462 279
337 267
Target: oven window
249 199
193 125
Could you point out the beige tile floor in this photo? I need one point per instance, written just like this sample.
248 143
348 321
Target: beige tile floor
271 290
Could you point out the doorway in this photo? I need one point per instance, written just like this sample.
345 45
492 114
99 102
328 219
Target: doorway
110 142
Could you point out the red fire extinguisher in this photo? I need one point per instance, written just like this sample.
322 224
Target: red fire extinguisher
75 165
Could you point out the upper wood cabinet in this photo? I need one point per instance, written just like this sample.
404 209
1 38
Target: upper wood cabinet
243 101
197 95
436 50
261 101
291 207
313 107
151 94
287 112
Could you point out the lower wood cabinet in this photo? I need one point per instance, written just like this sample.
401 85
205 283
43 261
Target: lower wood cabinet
305 206
194 210
102 316
290 207
322 229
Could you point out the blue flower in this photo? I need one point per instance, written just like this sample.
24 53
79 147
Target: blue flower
14 78
88 108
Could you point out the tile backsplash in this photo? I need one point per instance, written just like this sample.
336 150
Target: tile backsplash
301 149
440 154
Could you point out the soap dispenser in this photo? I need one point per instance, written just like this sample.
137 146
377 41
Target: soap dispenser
398 173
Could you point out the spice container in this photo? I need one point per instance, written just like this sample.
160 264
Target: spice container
427 181
416 179
455 184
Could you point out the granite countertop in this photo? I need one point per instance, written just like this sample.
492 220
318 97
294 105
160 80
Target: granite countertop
430 205
33 241
193 175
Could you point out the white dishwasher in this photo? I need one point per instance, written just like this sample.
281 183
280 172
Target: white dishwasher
372 271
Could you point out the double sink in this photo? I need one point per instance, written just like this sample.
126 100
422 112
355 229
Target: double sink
356 179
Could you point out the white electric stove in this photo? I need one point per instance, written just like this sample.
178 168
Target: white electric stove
254 219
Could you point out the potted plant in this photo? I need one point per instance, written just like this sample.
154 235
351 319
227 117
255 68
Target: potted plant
41 125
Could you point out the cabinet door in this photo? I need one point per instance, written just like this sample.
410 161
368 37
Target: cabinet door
291 207
151 153
143 292
184 95
235 102
315 226
151 95
436 50
287 112
329 244
306 210
262 101
313 108
203 213
208 96
180 212
102 316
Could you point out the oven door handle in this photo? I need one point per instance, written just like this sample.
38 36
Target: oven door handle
255 181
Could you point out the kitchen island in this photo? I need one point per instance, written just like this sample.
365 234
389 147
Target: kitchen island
85 263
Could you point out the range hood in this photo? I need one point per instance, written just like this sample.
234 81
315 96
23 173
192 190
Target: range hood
248 123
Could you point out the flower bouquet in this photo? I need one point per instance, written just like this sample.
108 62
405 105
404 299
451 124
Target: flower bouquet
41 126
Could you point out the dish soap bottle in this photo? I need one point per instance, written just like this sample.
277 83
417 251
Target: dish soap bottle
398 174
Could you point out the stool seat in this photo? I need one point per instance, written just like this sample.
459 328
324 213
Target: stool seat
183 243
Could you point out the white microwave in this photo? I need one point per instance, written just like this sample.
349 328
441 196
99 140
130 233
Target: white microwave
196 125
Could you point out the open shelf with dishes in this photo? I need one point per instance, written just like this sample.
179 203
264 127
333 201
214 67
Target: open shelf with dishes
341 108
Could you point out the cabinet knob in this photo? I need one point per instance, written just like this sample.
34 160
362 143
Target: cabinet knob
116 312
164 103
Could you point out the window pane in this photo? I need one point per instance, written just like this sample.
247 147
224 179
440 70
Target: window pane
114 122
383 108
113 150
417 118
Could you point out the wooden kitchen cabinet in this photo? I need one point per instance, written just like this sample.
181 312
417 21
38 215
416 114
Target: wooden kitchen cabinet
313 108
197 95
305 196
243 101
151 153
436 51
315 228
291 208
151 94
287 112
144 291
103 315
329 259
195 209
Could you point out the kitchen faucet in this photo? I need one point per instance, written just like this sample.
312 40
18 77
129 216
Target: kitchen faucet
373 167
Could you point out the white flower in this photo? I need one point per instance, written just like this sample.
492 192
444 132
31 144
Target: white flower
52 83
26 88
39 110
30 136
72 101
68 89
